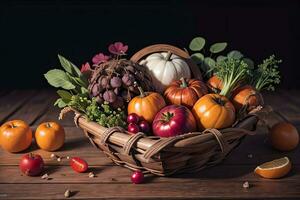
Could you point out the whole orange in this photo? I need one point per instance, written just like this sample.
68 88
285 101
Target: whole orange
15 136
284 136
50 136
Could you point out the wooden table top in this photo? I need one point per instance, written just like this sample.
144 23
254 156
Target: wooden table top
224 181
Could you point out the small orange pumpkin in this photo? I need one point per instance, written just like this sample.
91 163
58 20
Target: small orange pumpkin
214 84
248 97
146 105
214 111
185 92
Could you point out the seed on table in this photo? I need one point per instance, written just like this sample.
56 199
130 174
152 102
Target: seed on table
67 193
45 176
91 175
53 155
246 184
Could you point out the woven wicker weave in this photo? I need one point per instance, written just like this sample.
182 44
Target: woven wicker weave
186 153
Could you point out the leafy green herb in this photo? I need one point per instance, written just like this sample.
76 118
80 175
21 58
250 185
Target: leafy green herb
232 72
267 74
104 114
69 66
71 79
59 78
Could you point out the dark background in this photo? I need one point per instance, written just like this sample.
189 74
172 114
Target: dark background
32 33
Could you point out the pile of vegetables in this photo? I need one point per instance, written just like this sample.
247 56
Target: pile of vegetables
118 92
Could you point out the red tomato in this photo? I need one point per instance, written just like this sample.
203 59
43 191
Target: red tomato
78 164
173 120
31 164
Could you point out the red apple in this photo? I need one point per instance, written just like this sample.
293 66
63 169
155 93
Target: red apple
31 164
173 120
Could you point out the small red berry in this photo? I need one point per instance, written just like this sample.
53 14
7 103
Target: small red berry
137 177
133 118
133 128
144 126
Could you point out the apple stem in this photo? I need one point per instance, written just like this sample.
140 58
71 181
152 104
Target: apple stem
48 125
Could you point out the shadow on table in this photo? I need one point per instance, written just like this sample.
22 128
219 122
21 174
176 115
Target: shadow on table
75 144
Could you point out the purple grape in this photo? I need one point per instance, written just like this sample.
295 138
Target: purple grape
115 82
104 82
109 96
95 90
128 79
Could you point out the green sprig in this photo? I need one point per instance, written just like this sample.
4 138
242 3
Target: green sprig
232 72
266 75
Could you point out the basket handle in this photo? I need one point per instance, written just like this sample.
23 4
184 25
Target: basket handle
138 56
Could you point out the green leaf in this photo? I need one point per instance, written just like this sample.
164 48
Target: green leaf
210 62
197 57
235 54
197 44
60 103
69 66
64 95
220 58
59 78
249 62
84 90
218 47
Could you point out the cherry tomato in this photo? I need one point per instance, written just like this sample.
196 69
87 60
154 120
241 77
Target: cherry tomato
78 164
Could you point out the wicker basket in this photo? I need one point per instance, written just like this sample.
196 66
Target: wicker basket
186 153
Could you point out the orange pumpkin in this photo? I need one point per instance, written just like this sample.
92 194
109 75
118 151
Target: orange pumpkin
15 136
247 97
214 111
214 84
50 136
146 105
185 92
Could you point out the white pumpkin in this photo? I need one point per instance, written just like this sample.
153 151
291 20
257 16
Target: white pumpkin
164 68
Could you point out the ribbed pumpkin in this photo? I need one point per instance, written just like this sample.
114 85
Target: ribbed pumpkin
214 84
185 92
214 111
146 105
246 97
164 68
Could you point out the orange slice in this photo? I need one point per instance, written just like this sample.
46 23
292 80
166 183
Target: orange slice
274 169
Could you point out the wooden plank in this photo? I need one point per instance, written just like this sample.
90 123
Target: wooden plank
282 104
76 144
35 107
195 190
116 174
13 101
